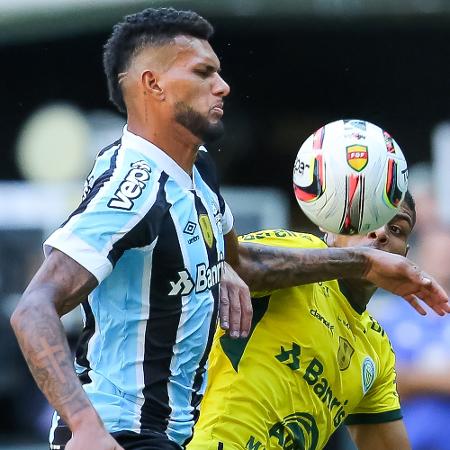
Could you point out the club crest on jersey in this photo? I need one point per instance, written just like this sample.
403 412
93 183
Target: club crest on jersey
357 156
345 353
369 373
131 187
206 227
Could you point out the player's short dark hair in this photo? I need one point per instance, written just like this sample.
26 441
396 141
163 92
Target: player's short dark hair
148 27
409 201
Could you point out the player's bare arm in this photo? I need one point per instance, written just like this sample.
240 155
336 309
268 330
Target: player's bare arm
380 436
59 286
267 268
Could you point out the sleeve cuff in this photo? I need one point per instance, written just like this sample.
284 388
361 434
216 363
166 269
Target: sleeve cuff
372 418
80 251
227 220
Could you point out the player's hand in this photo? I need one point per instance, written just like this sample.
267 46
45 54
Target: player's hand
92 441
402 277
235 309
89 433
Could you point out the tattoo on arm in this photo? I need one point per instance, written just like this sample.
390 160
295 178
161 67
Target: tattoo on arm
45 348
263 267
57 288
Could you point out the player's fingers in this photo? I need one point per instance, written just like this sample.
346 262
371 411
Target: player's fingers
431 286
246 311
434 303
224 307
235 313
434 295
414 302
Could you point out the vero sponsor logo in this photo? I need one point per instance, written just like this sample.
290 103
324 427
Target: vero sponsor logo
131 187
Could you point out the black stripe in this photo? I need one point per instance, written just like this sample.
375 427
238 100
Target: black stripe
62 434
100 153
201 369
341 224
147 229
98 184
207 169
362 193
83 342
162 327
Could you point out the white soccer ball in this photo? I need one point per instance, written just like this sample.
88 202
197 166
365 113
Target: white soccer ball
350 177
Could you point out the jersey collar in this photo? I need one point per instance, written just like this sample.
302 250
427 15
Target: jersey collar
161 158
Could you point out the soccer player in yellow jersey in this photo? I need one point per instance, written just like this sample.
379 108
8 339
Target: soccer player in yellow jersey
314 359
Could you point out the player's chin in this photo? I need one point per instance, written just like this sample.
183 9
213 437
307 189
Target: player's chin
213 132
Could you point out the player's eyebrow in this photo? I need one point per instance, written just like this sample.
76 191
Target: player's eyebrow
210 66
403 216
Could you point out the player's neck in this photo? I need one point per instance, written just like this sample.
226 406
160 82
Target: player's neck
175 140
357 292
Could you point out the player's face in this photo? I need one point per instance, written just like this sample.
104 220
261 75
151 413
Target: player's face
194 89
392 238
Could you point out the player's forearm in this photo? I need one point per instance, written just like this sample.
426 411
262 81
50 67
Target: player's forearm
44 345
265 268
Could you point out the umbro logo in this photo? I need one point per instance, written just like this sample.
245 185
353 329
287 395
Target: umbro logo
190 228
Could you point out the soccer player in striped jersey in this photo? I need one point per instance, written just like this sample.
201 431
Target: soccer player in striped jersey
145 251
315 359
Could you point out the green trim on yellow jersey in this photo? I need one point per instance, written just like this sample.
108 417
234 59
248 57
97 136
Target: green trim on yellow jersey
234 348
360 419
310 362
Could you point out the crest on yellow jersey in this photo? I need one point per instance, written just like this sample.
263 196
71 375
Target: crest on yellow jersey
345 353
206 227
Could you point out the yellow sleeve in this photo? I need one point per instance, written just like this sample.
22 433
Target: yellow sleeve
381 403
281 238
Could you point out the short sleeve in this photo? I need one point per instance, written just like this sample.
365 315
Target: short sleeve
381 403
283 238
109 219
227 218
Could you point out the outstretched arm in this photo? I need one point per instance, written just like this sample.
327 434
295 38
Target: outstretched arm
266 268
59 285
380 436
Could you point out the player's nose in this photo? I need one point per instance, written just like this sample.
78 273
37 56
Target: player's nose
379 235
221 87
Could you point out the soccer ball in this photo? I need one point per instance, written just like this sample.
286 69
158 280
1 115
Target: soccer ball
350 177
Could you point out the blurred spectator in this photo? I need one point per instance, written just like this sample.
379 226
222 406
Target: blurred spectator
422 188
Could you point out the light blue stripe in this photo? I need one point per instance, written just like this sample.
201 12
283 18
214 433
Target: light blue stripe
115 354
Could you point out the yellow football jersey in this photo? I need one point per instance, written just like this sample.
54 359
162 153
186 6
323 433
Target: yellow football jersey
310 363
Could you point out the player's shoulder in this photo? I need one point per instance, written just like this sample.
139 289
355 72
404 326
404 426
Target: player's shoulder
284 238
122 179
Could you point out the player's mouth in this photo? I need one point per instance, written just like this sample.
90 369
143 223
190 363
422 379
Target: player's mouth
217 109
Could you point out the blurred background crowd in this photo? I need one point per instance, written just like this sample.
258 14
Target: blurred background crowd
293 65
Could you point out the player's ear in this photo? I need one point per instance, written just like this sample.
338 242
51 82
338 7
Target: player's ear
150 84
